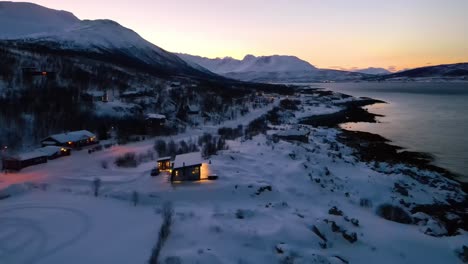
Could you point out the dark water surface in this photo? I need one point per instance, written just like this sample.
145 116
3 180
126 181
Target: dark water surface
425 117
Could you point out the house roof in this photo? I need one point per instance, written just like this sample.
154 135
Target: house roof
72 136
37 153
155 116
189 159
164 158
30 155
50 150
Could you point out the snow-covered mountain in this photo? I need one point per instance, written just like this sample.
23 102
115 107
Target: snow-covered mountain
457 70
252 63
374 71
21 19
274 68
61 30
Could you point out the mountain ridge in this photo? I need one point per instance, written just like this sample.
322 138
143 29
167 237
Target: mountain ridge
102 37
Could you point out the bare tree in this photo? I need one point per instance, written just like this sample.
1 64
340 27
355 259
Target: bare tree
135 198
96 186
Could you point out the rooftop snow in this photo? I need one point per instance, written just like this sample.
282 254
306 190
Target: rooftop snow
50 150
40 152
164 158
72 136
189 159
31 155
155 116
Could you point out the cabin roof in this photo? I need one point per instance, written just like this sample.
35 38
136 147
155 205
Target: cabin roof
155 116
37 153
164 158
50 150
30 155
187 160
72 136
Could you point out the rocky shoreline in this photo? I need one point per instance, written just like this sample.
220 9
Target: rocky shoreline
375 149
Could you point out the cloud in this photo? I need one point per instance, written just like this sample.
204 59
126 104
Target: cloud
392 68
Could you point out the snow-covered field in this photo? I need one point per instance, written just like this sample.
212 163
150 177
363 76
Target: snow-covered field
273 203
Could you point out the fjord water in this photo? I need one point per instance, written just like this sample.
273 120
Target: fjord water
425 117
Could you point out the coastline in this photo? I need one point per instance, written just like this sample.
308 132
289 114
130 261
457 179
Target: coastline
372 147
375 149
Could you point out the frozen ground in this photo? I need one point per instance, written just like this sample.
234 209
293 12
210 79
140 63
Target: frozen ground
272 204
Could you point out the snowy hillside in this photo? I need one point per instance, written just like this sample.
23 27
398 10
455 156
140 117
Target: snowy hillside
447 71
279 69
21 19
275 201
30 24
374 71
109 36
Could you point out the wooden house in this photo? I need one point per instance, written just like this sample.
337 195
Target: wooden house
55 152
187 167
164 164
74 139
18 162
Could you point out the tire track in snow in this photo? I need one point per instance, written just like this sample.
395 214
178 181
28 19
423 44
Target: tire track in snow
35 235
86 225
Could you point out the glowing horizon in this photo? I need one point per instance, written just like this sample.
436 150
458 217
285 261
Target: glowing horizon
336 34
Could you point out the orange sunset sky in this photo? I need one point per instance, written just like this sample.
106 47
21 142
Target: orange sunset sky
329 34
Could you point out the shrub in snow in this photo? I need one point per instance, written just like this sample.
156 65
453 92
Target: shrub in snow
364 202
128 160
290 104
167 214
240 214
351 237
394 213
231 133
335 211
463 253
104 164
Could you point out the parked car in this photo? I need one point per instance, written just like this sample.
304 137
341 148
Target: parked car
155 172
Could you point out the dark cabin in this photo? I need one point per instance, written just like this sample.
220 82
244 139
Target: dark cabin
24 160
34 72
95 96
164 164
74 139
155 120
187 167
294 135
